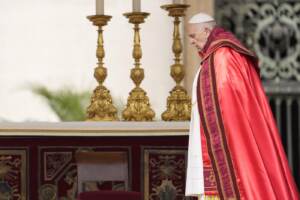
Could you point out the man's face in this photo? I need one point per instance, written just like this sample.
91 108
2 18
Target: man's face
198 35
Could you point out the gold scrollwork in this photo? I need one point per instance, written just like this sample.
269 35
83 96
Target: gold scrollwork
47 192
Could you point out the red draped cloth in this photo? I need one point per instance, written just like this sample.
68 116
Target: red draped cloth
110 195
240 142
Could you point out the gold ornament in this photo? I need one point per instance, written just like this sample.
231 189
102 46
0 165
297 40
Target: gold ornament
138 106
101 107
178 103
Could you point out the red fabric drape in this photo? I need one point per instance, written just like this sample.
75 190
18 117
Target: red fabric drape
242 142
110 195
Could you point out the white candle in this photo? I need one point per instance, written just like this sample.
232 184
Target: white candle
99 7
177 2
136 5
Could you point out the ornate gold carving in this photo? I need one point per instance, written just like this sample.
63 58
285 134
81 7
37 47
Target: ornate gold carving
138 107
176 10
101 107
13 174
70 178
48 192
178 103
164 169
4 167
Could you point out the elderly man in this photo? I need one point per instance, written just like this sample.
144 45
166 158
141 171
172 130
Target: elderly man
235 150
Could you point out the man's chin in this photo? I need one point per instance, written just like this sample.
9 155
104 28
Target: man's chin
198 48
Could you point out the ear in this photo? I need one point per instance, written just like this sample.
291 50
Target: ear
207 31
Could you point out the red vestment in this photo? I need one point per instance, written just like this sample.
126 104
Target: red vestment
240 140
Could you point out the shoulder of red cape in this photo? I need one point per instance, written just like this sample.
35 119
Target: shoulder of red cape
236 46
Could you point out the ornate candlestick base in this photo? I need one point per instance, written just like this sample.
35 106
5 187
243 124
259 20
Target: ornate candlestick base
138 106
178 103
101 107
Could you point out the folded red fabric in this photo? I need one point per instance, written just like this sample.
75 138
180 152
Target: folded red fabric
110 195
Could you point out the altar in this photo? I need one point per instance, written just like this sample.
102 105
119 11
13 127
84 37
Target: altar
38 159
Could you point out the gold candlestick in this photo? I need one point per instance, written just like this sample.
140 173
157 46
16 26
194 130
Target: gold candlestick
138 106
101 107
178 103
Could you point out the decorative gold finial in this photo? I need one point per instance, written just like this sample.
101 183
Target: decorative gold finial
101 107
178 103
138 106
